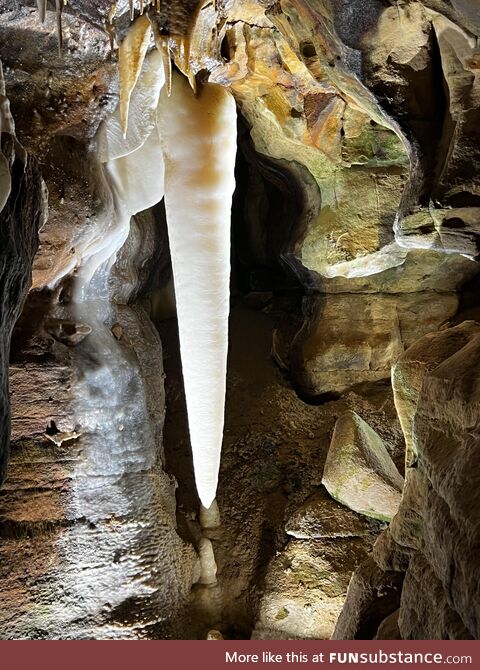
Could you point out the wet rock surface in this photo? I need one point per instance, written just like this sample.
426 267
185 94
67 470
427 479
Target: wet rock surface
355 230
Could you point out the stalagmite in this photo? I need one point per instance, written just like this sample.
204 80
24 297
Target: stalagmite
199 135
59 10
130 60
208 566
42 8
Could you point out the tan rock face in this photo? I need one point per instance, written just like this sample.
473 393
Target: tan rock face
359 171
435 532
399 65
355 338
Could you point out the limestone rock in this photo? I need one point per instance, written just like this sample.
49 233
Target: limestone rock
372 596
459 153
450 230
93 516
409 373
446 428
389 555
305 588
359 472
329 355
434 536
22 208
425 612
321 518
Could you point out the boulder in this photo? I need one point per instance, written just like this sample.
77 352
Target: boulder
305 588
359 472
320 517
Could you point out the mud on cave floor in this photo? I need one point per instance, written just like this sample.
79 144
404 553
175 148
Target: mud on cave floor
273 455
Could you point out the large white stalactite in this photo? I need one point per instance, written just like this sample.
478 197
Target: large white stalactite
199 136
188 156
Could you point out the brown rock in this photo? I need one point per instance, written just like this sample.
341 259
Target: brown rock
320 517
372 596
359 472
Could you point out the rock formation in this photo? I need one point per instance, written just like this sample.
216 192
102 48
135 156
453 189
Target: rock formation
348 133
359 472
22 211
432 537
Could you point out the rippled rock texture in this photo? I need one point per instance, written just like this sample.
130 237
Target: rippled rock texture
432 539
22 211
355 230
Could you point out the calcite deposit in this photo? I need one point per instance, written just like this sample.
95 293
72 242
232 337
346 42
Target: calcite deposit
239 319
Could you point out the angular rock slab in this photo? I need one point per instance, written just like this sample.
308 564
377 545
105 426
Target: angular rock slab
359 472
329 355
320 517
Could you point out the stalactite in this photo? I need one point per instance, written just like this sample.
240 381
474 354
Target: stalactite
133 167
161 42
109 27
131 56
111 141
198 138
199 135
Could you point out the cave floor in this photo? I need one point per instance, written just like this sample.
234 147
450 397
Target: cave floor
273 455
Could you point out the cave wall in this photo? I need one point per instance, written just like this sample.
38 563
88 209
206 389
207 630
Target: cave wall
86 503
22 212
359 136
430 546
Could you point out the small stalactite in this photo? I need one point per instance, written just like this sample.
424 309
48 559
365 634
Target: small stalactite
161 42
131 55
109 27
